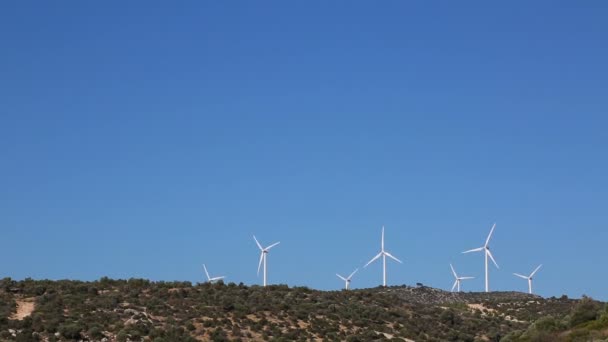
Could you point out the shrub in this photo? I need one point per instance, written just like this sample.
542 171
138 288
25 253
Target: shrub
95 332
70 330
586 310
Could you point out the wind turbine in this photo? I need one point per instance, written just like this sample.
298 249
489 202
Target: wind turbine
458 279
209 279
263 256
347 279
529 278
383 254
486 250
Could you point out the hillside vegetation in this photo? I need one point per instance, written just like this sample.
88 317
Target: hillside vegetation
140 310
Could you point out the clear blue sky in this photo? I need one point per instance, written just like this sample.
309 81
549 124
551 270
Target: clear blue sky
144 139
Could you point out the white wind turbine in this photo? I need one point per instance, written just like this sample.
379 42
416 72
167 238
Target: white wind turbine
209 279
529 278
383 254
347 279
486 250
263 256
458 279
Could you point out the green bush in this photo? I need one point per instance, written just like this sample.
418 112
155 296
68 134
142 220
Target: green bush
95 332
586 310
70 330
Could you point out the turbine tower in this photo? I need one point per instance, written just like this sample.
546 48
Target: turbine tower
529 278
209 279
263 256
486 250
383 254
458 279
347 279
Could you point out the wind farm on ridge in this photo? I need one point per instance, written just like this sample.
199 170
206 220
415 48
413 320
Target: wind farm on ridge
264 252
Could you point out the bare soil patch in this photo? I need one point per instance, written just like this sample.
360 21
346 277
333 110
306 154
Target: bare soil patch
25 307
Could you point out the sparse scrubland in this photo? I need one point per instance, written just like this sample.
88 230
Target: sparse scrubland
140 310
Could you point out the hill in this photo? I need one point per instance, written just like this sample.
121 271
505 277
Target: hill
140 310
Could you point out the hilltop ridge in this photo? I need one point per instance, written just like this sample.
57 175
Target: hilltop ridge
141 310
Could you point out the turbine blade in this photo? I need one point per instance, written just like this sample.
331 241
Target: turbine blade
382 237
260 264
352 274
490 235
455 284
207 273
258 243
519 275
474 250
491 257
217 278
373 259
274 244
392 257
536 270
466 278
453 272
341 277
